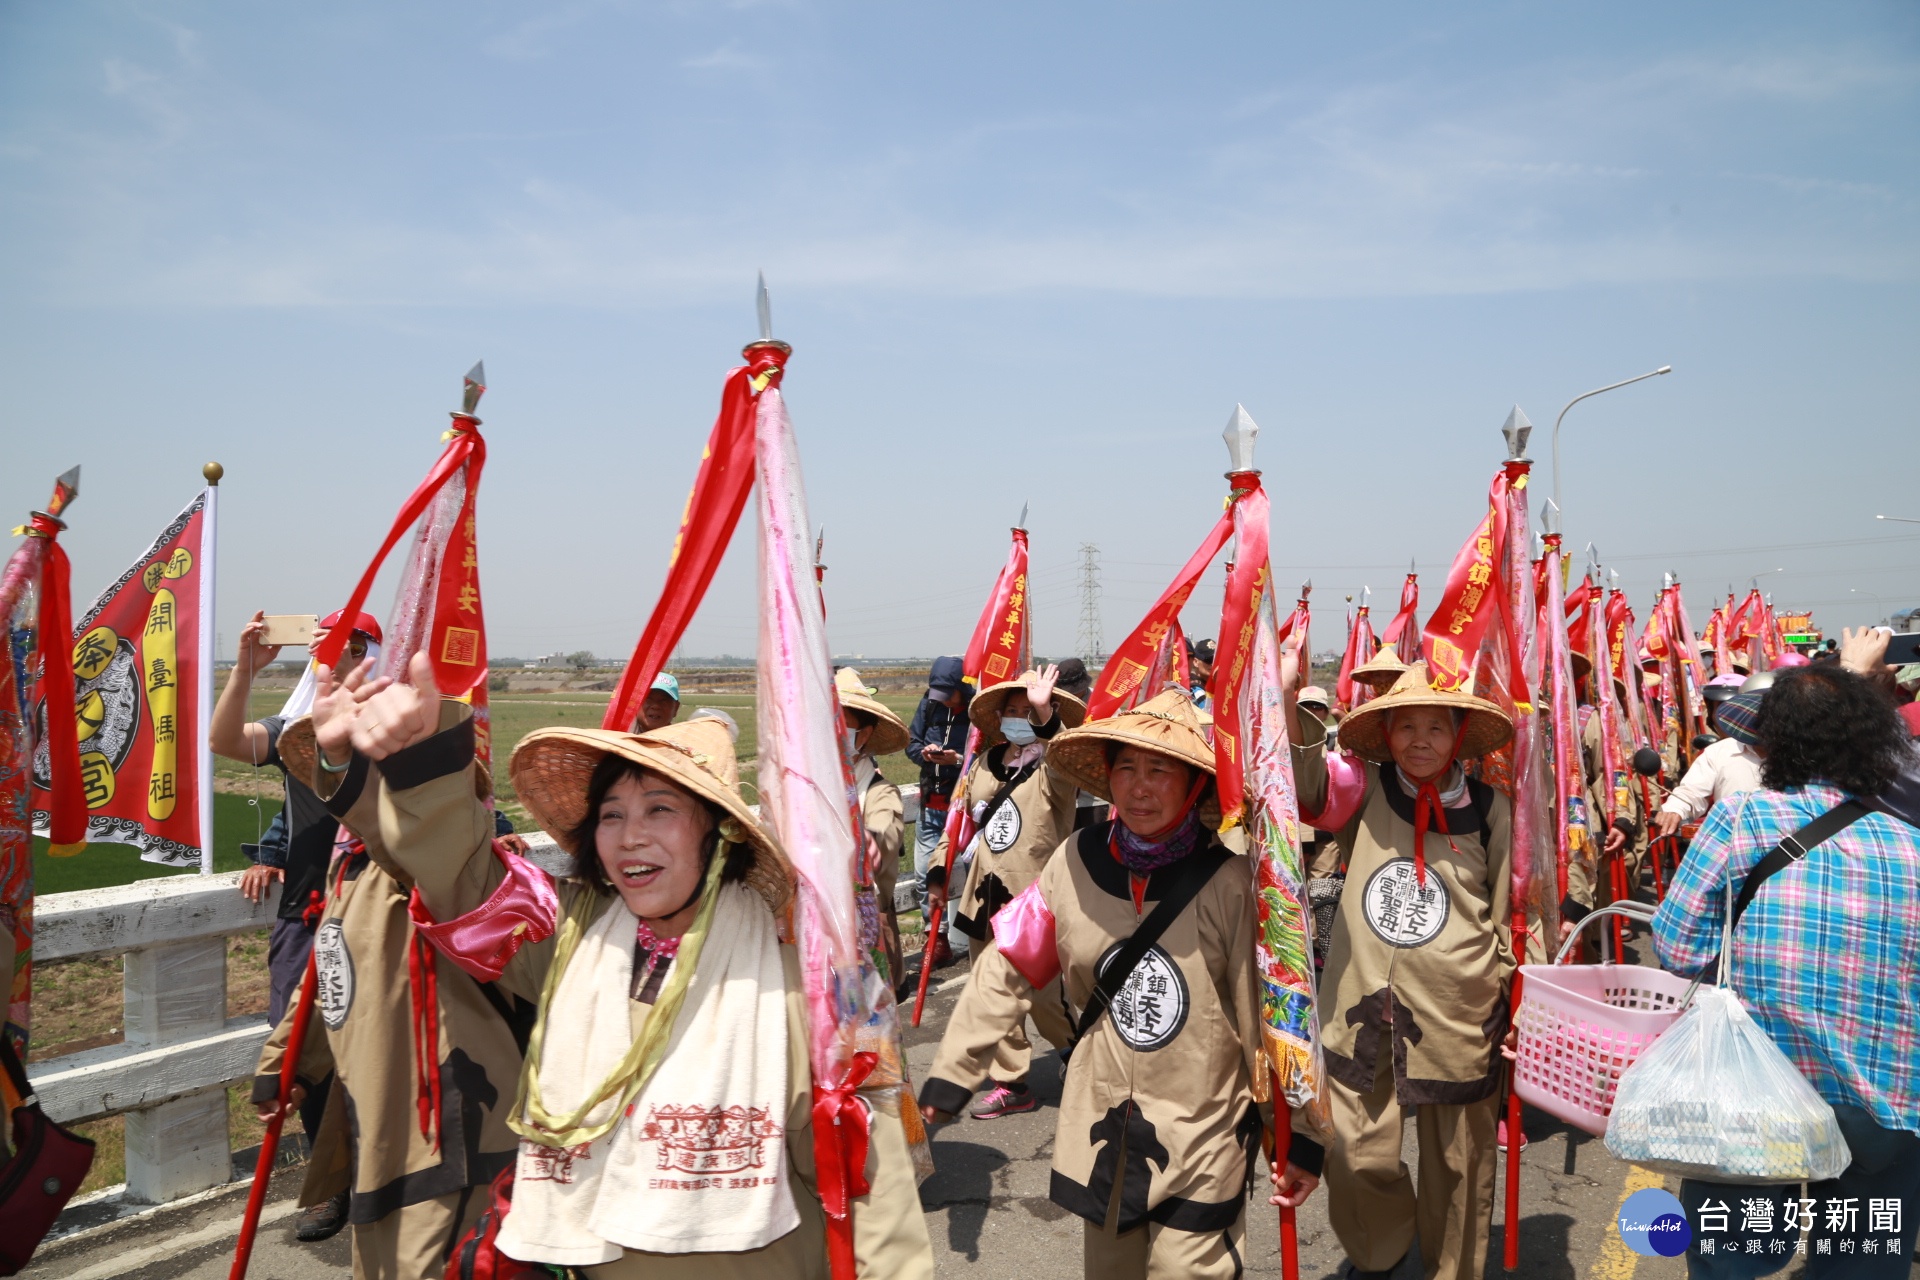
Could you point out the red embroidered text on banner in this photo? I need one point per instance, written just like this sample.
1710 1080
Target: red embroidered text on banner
1469 602
998 650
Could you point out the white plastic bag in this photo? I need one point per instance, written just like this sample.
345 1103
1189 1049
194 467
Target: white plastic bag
1714 1098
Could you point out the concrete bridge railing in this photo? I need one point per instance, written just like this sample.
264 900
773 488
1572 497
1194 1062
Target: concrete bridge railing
181 1052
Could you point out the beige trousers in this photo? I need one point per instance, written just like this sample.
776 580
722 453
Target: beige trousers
1154 1252
413 1242
1048 1009
1372 1200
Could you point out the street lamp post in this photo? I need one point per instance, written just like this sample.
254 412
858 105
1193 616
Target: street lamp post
1612 386
1899 519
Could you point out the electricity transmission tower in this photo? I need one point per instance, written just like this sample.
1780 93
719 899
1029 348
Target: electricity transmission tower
1092 644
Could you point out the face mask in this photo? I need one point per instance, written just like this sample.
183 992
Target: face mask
847 738
1017 731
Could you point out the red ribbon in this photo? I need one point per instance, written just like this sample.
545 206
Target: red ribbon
1426 806
841 1124
1359 650
53 636
720 490
423 988
465 445
1405 626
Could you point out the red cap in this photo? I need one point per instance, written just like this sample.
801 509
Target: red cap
364 623
1910 714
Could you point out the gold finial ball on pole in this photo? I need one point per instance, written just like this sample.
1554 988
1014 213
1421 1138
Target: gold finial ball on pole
213 471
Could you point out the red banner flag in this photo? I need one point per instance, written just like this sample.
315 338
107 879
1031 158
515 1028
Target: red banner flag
1468 602
1000 636
25 574
1126 670
998 650
1301 620
443 569
1404 630
707 522
1360 649
142 666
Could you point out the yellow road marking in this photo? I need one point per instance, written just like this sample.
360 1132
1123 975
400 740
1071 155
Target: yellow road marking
1616 1261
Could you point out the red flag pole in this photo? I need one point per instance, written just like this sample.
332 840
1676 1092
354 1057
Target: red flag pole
270 1140
1282 1145
999 650
1510 1245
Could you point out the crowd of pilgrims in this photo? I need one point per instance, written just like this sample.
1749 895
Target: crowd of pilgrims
629 1043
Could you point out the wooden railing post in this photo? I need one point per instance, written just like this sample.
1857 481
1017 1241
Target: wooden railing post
174 994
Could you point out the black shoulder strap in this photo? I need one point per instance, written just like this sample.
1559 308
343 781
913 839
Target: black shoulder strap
1481 794
519 1015
1192 878
1000 796
1797 846
16 1070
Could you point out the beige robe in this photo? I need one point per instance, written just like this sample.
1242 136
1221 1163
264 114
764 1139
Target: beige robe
1422 974
884 816
1014 846
1158 1109
442 836
361 1030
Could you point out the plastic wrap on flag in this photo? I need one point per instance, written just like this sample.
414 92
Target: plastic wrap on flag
411 620
1289 1021
806 789
1571 831
410 623
1535 859
17 606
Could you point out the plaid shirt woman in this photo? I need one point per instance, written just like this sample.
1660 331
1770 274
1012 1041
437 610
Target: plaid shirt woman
1826 959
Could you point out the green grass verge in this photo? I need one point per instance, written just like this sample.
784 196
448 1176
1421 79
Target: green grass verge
99 865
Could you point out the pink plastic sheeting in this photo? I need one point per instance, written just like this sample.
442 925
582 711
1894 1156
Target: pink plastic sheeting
1024 932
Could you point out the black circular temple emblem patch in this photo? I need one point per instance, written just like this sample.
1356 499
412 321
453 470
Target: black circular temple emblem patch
1151 1007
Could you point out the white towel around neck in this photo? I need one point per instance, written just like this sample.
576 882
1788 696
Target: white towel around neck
699 1163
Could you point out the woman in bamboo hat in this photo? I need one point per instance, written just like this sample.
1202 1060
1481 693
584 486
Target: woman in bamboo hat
665 1109
1417 973
1158 1126
1024 808
874 730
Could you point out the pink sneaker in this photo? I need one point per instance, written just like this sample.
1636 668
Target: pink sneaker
1004 1100
1501 1136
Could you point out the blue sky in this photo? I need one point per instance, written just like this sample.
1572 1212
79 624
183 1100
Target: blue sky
1022 252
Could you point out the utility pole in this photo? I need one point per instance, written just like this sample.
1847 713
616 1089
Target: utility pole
1092 643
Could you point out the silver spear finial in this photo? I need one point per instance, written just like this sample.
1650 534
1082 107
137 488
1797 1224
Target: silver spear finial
1240 435
472 387
1516 430
764 305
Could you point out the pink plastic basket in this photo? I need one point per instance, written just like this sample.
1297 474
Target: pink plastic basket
1581 1026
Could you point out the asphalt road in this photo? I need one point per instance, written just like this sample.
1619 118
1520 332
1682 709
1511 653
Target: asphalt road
987 1209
